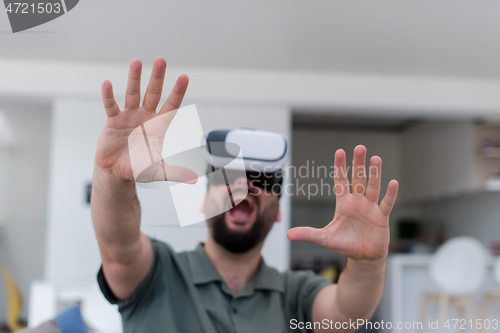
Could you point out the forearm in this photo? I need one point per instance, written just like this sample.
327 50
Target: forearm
360 288
116 216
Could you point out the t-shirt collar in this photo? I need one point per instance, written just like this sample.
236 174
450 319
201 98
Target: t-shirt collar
203 271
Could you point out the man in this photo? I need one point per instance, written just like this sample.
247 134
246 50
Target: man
223 286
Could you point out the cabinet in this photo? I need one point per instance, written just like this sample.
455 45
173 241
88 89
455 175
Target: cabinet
487 152
446 158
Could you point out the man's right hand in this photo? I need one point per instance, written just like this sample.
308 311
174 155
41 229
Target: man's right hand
126 252
112 153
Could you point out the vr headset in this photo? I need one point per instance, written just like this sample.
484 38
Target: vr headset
263 154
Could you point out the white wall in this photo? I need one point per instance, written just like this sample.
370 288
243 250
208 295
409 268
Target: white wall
376 95
24 194
72 252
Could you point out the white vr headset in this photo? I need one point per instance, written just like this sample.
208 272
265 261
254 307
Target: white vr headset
260 151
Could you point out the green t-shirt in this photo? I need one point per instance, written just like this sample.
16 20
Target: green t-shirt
183 293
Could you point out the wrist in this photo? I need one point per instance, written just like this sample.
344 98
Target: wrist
371 264
108 183
109 175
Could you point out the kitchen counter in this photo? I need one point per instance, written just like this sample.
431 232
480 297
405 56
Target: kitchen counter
407 280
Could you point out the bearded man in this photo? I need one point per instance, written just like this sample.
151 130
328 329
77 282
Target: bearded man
224 285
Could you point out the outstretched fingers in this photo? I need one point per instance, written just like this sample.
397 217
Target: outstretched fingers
174 100
133 92
372 192
153 91
359 170
340 174
390 198
108 99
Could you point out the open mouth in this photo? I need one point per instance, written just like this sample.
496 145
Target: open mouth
244 211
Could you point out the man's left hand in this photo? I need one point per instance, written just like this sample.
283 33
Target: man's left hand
360 227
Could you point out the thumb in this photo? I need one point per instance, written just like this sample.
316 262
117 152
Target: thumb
306 234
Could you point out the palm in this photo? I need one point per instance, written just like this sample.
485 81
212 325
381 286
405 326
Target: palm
113 147
358 230
360 227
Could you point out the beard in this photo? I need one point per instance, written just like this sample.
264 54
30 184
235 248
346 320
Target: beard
238 241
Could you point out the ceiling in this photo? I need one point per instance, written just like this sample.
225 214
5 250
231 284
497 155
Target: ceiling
424 38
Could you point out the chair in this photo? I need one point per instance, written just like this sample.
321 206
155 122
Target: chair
14 302
68 321
47 299
457 269
493 295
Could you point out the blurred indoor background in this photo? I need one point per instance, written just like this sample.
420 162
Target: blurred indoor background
417 82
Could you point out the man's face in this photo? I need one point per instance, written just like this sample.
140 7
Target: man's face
241 228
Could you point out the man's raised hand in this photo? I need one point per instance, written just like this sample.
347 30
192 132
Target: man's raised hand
113 145
360 227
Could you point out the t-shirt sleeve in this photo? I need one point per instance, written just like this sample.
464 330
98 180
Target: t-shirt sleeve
162 261
303 286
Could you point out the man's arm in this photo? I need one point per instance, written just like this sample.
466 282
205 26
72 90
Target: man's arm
355 296
126 253
358 231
